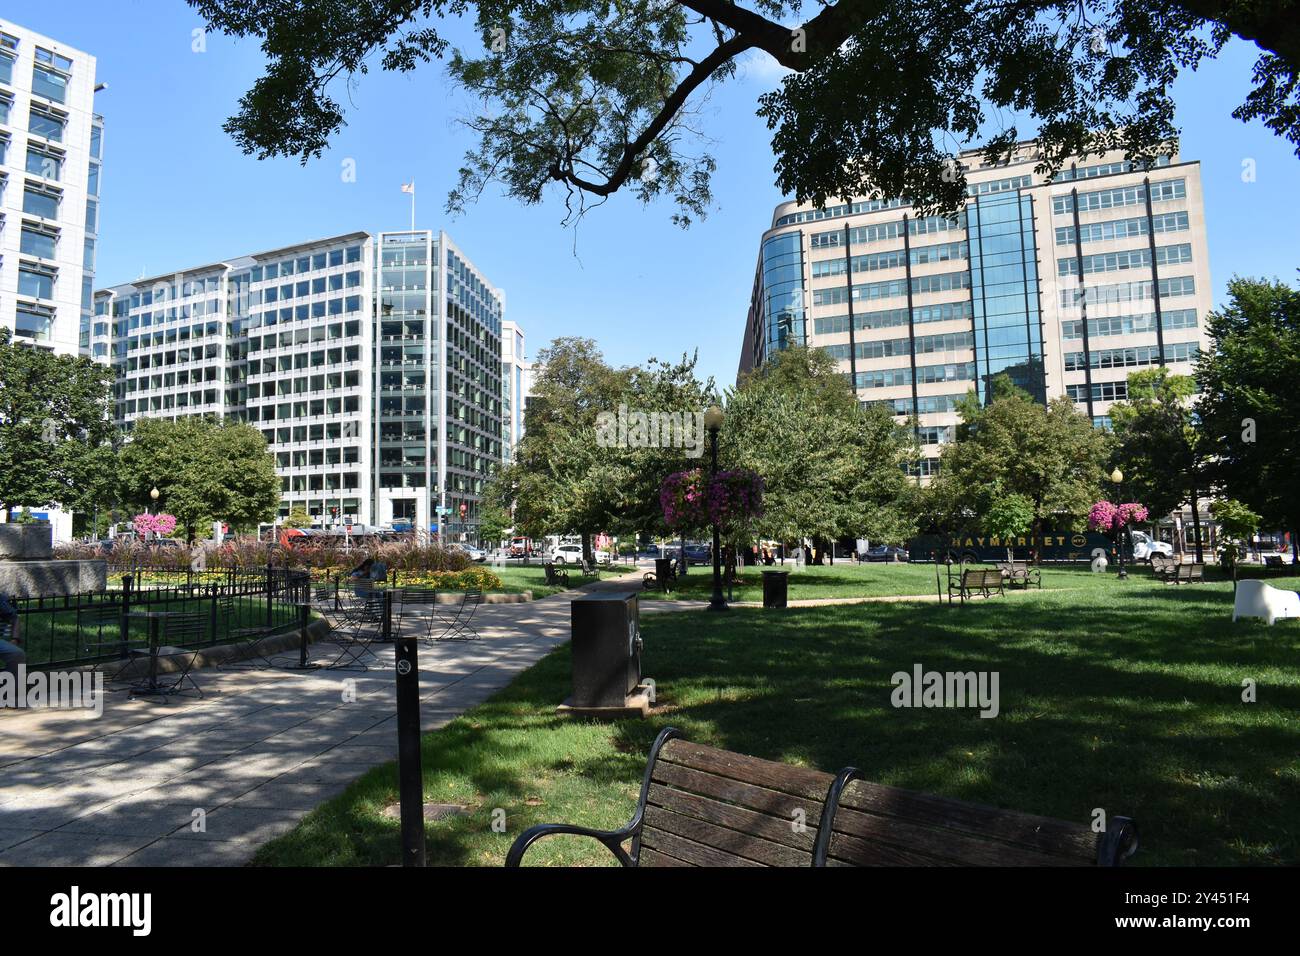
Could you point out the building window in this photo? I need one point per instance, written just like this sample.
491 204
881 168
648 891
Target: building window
50 84
33 321
46 124
35 281
44 162
38 242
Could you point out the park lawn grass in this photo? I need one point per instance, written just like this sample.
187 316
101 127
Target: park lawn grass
518 578
1124 696
53 636
844 579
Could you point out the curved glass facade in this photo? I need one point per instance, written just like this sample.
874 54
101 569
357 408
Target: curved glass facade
1004 293
784 314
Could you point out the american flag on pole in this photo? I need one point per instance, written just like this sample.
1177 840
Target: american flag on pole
409 187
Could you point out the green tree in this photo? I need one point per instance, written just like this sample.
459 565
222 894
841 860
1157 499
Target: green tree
298 518
493 524
830 468
1250 402
567 477
591 97
558 482
204 471
1008 516
1156 443
54 427
1049 454
1237 522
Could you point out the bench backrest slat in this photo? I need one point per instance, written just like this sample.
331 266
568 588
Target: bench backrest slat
710 807
876 821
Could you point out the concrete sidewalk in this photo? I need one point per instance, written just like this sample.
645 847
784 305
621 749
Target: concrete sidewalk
250 758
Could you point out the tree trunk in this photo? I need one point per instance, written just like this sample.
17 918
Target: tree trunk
1196 521
587 554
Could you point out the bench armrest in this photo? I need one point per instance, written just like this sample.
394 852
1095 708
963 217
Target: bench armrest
612 840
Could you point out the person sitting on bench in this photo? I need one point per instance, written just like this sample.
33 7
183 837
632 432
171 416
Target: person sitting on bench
368 572
11 654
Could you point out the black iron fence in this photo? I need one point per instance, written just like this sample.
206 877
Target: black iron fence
108 625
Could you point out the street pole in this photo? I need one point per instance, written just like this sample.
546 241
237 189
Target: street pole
717 602
410 773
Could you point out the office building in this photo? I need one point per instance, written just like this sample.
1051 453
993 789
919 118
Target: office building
517 377
51 143
1066 286
371 362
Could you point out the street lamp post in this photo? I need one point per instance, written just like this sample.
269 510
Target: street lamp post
153 496
713 423
1117 476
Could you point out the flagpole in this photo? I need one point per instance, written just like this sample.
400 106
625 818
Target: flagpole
412 205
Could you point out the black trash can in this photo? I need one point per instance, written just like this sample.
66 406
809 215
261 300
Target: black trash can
775 588
606 649
664 573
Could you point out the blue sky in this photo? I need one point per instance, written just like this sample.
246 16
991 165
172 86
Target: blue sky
178 193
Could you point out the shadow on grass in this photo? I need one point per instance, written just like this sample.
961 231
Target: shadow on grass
1131 705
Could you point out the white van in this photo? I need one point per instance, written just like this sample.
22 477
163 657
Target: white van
1144 546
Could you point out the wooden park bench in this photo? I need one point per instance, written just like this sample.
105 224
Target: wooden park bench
1020 574
701 806
973 581
1186 574
555 578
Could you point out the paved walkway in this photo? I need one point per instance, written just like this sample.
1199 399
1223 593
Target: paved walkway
259 751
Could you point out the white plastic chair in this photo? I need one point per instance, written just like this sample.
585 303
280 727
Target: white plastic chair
1257 599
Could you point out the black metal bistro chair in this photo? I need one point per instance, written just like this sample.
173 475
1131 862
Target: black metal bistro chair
355 627
417 613
99 627
460 625
177 631
230 610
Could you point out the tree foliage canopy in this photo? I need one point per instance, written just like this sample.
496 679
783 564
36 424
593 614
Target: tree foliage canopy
1250 403
830 468
597 96
1155 437
54 426
564 479
204 471
1051 455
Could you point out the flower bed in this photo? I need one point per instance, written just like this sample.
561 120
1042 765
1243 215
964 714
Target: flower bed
470 578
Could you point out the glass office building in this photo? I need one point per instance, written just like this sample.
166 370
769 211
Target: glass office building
51 143
371 363
1063 286
517 373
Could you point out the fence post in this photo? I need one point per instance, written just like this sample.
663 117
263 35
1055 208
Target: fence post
270 612
215 588
124 628
410 775
304 622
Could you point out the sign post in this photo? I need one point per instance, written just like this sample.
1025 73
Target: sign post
410 774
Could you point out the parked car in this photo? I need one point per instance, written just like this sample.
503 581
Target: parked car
886 552
699 553
473 553
572 554
564 554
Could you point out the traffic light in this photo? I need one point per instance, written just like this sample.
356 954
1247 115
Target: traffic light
464 510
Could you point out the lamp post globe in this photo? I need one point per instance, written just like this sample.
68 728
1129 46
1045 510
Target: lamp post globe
1117 477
